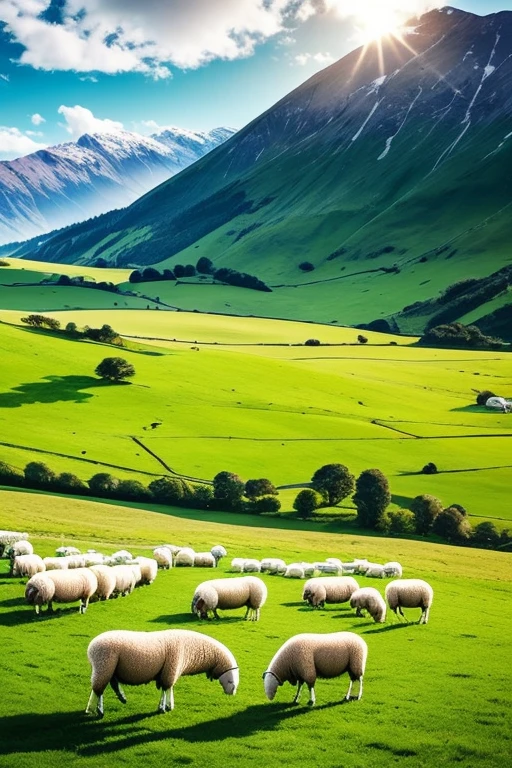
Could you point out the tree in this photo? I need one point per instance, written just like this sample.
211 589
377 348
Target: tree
41 321
114 369
64 280
167 490
228 489
371 498
429 469
334 481
102 263
168 274
425 509
362 339
150 274
179 270
486 536
132 490
106 334
312 343
202 496
10 475
261 487
266 504
70 483
39 475
135 276
306 502
204 266
189 270
306 266
451 525
103 484
72 330
398 521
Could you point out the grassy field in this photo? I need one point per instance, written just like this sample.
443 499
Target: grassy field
434 694
258 410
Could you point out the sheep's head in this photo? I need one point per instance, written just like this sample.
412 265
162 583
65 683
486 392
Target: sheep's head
229 680
199 607
271 683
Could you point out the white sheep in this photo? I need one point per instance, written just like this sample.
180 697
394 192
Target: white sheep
27 565
61 587
136 569
309 570
374 571
65 551
410 593
252 566
8 538
331 568
227 594
184 558
75 561
204 560
295 571
393 569
218 551
331 589
172 548
304 658
335 561
148 569
55 563
106 581
121 557
21 547
237 565
369 599
163 556
92 558
273 565
125 579
134 658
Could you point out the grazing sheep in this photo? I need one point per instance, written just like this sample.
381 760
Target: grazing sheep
335 561
204 560
55 563
61 587
163 557
332 589
92 558
75 561
21 547
125 579
328 568
237 565
65 551
148 569
410 593
374 571
393 569
295 571
227 594
137 572
184 558
309 570
252 566
273 565
121 557
135 658
360 565
172 548
218 551
369 599
106 581
8 538
27 565
304 658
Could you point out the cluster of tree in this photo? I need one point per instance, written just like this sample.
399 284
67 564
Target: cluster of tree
241 279
204 266
466 295
230 493
106 334
459 336
114 369
4 263
152 275
81 282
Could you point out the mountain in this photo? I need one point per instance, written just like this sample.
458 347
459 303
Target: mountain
386 175
71 182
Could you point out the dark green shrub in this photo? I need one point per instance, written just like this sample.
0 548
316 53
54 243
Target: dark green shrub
103 484
333 481
371 498
228 489
167 490
69 483
11 475
114 369
39 475
132 490
306 266
396 521
486 536
425 509
306 502
260 487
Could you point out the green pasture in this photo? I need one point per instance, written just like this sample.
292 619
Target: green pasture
434 695
271 411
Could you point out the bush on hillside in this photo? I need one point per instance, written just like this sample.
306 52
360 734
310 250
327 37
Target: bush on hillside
486 536
451 525
4 263
429 469
132 490
179 270
333 481
114 369
264 504
371 498
306 266
39 475
103 484
69 483
458 336
11 475
425 509
483 397
306 502
167 490
260 487
362 339
205 266
202 496
397 521
135 277
106 334
312 343
228 489
41 321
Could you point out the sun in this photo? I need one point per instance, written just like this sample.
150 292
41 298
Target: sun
374 19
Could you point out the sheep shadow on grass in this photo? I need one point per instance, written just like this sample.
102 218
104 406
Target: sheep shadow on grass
191 618
28 615
388 628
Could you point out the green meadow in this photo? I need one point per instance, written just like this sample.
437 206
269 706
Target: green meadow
434 695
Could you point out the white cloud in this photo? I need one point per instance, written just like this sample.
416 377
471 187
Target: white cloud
88 79
129 35
34 133
80 120
37 119
13 143
4 77
319 58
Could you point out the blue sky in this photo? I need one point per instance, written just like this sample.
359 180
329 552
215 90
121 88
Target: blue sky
146 64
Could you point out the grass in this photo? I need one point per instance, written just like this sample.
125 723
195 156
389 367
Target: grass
452 674
275 411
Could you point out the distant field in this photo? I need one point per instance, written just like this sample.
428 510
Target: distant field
429 699
275 411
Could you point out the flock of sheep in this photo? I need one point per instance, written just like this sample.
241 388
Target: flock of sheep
124 657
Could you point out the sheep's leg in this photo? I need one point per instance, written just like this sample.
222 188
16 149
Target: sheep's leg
37 607
170 693
95 703
359 612
297 694
50 607
216 614
114 684
162 706
347 697
312 697
360 688
85 604
246 617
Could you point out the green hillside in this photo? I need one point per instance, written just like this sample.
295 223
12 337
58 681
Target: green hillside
258 410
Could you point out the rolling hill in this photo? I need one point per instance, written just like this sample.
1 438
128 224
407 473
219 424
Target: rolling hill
385 171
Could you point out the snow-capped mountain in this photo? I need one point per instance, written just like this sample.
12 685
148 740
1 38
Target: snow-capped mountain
72 182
